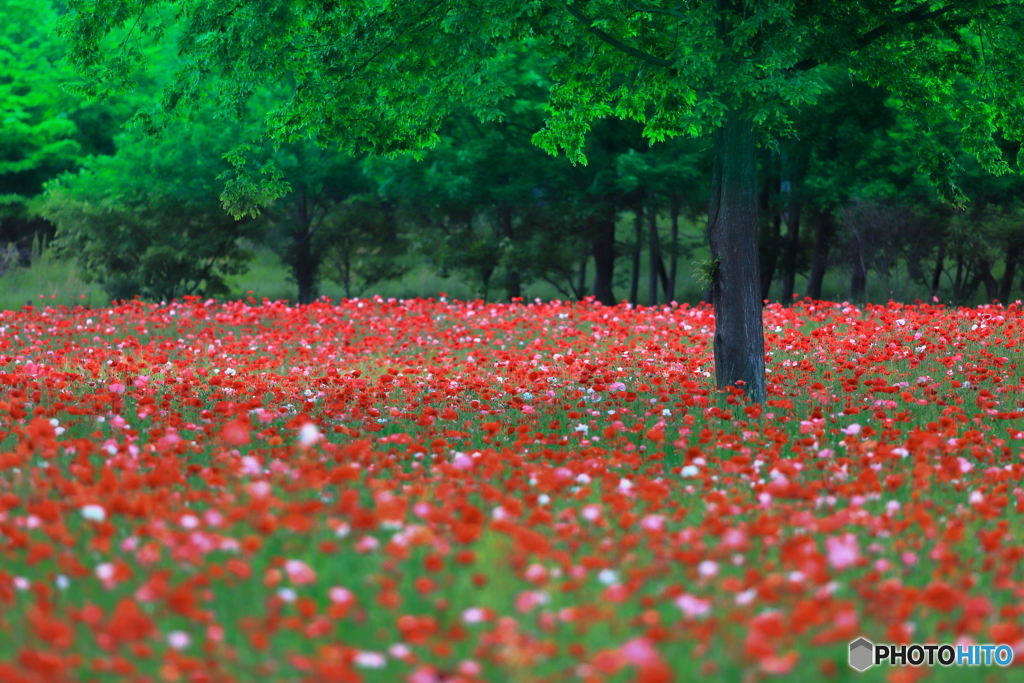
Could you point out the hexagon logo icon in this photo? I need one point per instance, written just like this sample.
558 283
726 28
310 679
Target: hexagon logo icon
861 654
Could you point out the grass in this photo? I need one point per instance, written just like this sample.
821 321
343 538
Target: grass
49 281
57 282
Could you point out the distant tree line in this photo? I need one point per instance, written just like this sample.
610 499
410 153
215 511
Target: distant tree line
145 215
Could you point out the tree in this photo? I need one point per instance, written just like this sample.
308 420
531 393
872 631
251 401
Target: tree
311 217
845 143
362 244
487 202
478 199
44 130
874 210
381 77
38 134
148 220
669 176
876 237
991 229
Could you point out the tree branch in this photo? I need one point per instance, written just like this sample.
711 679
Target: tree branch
135 25
914 16
616 43
667 12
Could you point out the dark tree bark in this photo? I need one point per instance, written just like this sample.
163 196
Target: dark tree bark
858 281
939 266
581 279
789 259
662 273
486 272
638 236
304 266
306 263
305 272
674 209
771 227
985 277
1009 273
732 233
824 230
513 282
656 266
972 283
770 254
793 190
958 280
602 236
858 271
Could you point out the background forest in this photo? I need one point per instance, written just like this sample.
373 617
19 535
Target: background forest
91 210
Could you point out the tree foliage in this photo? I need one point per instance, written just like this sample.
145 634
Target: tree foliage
362 246
38 134
313 216
148 220
381 77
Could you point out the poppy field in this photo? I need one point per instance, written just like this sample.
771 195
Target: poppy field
425 491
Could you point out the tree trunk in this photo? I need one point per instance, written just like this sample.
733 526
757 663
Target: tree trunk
971 288
793 188
485 282
732 233
513 283
581 279
1009 273
858 282
305 266
792 252
347 275
602 235
958 281
858 274
674 216
638 236
989 280
858 269
662 273
656 266
771 224
771 256
939 265
824 229
305 275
